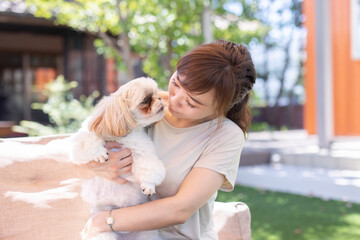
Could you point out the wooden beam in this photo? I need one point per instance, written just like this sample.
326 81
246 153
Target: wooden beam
27 42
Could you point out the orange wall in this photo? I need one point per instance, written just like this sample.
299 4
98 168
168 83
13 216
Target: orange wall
310 68
346 72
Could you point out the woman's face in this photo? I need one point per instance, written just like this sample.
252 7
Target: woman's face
187 105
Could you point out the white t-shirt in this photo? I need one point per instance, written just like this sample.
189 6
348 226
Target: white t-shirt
203 146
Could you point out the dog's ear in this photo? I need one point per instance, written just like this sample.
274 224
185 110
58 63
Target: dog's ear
112 117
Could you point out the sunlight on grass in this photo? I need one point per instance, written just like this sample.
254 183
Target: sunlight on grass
281 216
353 220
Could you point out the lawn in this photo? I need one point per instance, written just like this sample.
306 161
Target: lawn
282 216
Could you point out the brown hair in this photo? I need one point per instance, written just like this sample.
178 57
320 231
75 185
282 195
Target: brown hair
228 68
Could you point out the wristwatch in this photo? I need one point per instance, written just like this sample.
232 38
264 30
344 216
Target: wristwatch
110 220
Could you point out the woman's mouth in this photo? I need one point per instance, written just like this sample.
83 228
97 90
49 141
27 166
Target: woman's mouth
171 109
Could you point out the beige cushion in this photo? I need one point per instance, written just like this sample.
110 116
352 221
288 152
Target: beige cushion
62 218
57 212
232 221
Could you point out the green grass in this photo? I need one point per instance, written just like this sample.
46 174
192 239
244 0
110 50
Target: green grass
282 216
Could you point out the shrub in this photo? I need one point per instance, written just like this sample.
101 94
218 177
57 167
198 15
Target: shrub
64 111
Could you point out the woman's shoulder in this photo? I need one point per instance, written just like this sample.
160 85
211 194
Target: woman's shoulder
230 127
229 132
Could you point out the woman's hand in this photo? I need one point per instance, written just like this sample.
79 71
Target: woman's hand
94 226
119 163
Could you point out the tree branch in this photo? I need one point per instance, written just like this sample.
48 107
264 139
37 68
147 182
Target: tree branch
284 69
111 42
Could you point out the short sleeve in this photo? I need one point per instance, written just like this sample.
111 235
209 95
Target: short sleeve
222 154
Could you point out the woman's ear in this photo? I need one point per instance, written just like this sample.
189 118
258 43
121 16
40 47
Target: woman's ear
112 117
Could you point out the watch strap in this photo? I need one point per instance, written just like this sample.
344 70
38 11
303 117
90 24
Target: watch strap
110 220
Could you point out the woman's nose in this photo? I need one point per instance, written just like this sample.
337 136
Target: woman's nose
178 96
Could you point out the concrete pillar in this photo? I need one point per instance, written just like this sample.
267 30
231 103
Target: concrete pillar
206 22
324 78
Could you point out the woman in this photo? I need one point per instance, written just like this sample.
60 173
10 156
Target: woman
199 140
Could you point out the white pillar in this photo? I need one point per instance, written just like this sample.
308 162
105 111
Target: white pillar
324 78
206 22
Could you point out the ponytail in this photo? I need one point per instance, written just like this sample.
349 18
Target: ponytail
240 114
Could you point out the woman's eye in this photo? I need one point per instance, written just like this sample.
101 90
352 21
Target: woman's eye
189 104
174 83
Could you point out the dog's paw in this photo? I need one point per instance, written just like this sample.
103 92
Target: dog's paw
101 156
148 188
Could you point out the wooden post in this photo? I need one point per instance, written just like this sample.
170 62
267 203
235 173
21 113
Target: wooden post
27 86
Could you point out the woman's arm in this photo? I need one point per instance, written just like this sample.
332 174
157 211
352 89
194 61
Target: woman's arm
197 188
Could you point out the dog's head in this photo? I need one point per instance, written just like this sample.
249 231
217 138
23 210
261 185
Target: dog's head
134 104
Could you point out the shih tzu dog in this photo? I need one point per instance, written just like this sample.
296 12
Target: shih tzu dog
121 117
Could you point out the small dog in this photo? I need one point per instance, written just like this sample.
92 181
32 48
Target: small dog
121 117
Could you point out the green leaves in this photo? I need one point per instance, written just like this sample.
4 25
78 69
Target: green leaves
65 113
159 32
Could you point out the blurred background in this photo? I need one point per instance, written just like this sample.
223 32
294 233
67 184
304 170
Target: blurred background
58 58
100 45
96 46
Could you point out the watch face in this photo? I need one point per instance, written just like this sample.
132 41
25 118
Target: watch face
110 220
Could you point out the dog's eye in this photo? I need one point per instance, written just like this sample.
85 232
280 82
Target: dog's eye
147 100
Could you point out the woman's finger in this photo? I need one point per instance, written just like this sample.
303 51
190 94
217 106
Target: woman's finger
112 144
125 162
116 162
124 153
116 170
125 170
119 163
118 155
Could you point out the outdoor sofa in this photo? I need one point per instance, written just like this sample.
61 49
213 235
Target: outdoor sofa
54 210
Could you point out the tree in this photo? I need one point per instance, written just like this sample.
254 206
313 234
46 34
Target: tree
157 31
280 53
284 21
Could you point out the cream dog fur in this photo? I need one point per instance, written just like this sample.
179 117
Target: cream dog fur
122 117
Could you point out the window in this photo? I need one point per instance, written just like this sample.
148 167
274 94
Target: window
22 78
